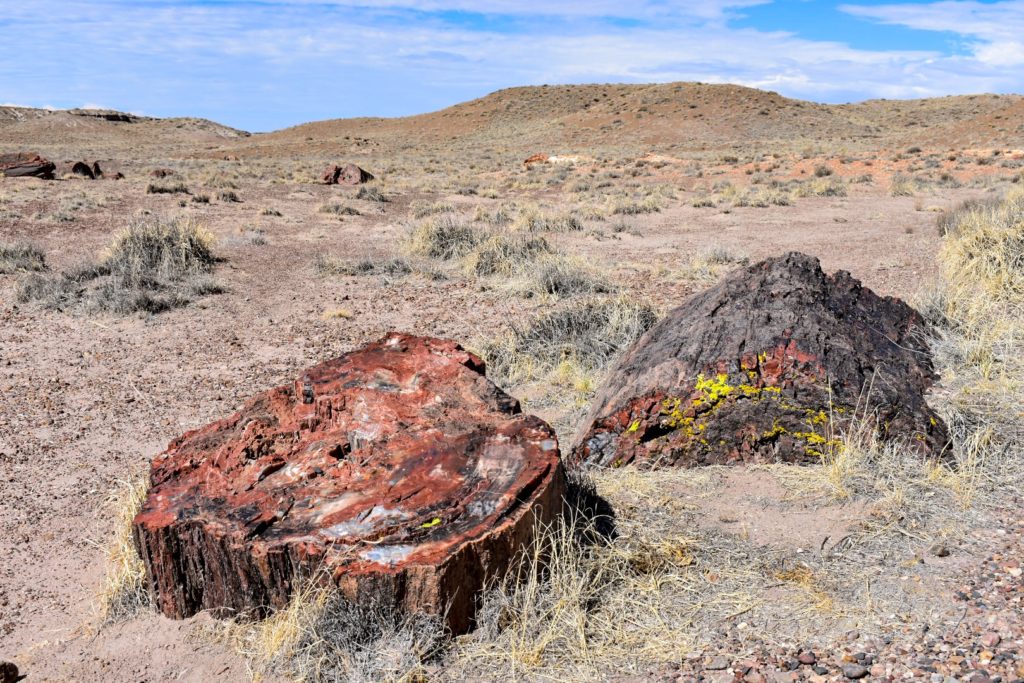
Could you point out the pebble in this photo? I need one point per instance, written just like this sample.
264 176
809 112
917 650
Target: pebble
717 663
854 671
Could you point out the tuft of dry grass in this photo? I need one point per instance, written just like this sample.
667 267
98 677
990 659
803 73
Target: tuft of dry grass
332 265
506 253
902 186
319 636
21 257
124 593
442 237
590 333
154 265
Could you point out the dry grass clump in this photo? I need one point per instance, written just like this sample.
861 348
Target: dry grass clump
534 220
443 237
332 265
167 188
589 333
338 209
320 636
506 253
708 265
902 186
154 265
634 207
560 275
821 187
21 257
586 604
762 198
371 193
124 592
423 209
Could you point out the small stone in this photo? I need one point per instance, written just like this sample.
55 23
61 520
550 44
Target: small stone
819 669
854 671
807 657
990 639
717 663
939 550
878 670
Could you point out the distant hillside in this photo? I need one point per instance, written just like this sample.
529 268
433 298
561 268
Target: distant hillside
689 116
100 131
671 118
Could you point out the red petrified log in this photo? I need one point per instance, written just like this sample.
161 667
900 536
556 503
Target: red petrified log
397 470
26 164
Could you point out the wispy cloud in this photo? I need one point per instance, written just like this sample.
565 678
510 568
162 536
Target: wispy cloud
995 31
262 64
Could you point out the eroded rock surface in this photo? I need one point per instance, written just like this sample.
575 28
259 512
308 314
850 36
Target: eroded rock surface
26 164
769 365
349 174
397 470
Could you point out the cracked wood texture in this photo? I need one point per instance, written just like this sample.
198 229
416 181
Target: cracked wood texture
398 471
769 365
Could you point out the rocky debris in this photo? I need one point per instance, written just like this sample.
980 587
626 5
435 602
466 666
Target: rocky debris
349 174
398 471
983 641
9 672
769 365
82 169
23 164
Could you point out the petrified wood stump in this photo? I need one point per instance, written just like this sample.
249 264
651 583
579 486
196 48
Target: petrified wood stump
398 471
771 364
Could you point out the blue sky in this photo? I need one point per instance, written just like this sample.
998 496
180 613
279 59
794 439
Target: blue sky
267 64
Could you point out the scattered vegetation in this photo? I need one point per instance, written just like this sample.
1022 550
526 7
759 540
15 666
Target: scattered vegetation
902 186
338 209
168 188
320 636
124 592
371 193
331 265
589 333
154 265
21 257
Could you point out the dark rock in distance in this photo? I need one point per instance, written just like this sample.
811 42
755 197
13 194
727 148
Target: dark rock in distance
397 471
769 365
349 174
83 169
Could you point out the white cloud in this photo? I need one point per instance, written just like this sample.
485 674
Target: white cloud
997 29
